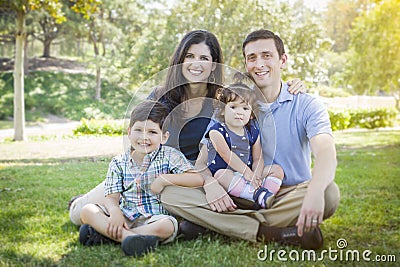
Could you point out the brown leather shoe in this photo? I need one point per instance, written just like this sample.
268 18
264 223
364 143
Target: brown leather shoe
309 240
288 236
191 231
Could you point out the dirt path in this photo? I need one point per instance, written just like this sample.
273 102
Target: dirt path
60 143
57 143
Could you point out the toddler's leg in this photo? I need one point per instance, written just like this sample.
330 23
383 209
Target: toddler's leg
235 184
265 195
273 170
273 178
224 177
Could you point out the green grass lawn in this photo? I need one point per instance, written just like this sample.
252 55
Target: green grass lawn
35 228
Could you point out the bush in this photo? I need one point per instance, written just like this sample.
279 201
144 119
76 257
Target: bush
99 127
362 118
339 119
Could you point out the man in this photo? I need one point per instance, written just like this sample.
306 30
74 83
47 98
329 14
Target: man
291 126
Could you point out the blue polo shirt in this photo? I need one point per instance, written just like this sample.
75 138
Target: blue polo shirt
286 127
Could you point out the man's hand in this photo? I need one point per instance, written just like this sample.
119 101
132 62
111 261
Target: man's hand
312 212
217 197
323 173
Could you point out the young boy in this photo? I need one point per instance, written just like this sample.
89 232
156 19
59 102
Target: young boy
133 214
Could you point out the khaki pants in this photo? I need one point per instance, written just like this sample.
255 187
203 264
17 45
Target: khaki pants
94 196
191 204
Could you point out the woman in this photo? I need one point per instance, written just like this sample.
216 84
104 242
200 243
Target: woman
194 74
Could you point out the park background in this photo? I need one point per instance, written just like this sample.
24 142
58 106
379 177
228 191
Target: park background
85 61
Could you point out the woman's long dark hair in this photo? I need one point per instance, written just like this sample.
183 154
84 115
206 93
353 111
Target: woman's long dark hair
175 89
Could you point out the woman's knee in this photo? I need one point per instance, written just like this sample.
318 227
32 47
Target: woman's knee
332 199
87 213
75 210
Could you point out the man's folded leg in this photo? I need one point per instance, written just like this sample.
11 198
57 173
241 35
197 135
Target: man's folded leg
191 204
274 224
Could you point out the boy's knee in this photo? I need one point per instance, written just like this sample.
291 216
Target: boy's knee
168 226
165 228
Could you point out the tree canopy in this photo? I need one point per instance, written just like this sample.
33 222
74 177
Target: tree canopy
374 62
130 41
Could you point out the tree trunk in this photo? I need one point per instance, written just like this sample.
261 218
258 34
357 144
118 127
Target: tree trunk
97 95
26 58
19 105
46 48
98 84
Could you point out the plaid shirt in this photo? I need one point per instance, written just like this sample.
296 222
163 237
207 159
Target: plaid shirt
133 182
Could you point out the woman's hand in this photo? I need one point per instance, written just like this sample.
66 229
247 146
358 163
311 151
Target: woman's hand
217 197
296 86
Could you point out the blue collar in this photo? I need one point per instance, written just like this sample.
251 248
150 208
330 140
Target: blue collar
284 95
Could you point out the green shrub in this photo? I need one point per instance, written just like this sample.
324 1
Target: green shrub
340 119
99 127
373 118
362 118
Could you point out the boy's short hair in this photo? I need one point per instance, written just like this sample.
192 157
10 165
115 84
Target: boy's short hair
240 88
155 111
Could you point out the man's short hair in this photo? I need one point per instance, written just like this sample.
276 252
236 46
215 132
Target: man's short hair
264 34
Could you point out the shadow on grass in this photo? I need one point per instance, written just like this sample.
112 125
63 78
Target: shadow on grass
11 258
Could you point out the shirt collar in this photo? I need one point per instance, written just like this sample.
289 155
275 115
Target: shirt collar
284 95
147 158
151 156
